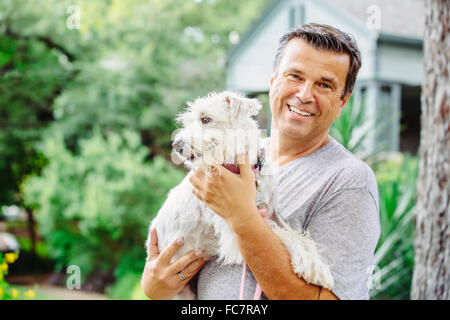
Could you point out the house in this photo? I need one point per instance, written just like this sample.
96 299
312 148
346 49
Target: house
389 36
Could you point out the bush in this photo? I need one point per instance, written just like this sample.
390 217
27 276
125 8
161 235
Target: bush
394 256
94 208
126 288
6 291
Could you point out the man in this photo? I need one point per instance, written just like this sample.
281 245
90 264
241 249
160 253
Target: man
322 188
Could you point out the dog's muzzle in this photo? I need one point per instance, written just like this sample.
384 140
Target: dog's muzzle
180 148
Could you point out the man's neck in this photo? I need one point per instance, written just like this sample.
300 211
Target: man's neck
285 149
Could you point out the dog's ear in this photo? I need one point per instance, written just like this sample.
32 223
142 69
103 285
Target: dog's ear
241 107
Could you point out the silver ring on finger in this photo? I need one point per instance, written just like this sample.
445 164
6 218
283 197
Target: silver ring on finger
181 275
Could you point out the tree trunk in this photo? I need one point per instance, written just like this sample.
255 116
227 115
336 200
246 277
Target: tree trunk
431 278
31 231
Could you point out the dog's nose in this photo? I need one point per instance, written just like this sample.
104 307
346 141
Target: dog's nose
178 145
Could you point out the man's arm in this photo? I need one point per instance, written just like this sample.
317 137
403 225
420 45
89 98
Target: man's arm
233 197
270 263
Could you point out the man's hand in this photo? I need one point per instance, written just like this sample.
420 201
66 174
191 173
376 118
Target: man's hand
160 279
229 195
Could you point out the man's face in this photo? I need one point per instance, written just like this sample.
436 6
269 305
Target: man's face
310 82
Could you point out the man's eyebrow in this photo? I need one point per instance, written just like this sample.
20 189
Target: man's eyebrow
331 80
294 70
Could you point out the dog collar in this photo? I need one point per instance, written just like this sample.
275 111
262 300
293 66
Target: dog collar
234 168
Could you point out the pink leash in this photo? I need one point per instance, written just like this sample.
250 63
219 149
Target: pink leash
258 290
263 212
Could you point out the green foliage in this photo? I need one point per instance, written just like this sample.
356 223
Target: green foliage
127 287
132 64
354 128
351 122
394 255
8 292
93 208
30 79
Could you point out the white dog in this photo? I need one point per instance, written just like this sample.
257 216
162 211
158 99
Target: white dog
217 128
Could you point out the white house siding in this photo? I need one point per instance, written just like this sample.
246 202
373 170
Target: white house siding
400 64
250 70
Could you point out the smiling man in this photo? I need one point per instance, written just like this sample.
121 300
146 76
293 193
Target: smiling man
321 188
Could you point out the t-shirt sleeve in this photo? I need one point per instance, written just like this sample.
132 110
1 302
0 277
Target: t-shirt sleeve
346 225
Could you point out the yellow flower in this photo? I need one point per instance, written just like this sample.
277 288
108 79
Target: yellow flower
11 257
30 294
3 267
1 292
14 293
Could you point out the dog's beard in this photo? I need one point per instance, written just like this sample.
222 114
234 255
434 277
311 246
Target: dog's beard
209 154
212 154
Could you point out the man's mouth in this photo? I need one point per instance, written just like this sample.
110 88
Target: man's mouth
299 112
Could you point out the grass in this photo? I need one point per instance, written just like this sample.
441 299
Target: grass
39 294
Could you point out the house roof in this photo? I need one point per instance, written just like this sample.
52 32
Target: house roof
400 17
401 21
267 13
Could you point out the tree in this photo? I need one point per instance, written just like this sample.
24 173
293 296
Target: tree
431 278
131 64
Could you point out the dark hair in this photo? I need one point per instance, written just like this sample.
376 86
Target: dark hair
325 37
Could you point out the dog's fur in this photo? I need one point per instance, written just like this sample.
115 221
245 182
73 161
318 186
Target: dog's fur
219 141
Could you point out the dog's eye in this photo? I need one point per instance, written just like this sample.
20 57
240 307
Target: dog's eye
206 120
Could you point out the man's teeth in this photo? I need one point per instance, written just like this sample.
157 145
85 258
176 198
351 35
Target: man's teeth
293 109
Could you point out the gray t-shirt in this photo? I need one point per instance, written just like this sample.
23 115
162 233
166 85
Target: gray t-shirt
333 195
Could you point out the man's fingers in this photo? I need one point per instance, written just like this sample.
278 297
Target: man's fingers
245 168
194 267
197 194
168 253
153 250
194 179
185 260
215 170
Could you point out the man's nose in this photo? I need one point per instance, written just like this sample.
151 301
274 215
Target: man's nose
178 145
305 92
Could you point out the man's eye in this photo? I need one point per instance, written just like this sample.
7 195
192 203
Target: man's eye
294 76
206 120
325 86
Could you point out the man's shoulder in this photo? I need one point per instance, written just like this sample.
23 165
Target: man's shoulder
334 166
347 160
351 170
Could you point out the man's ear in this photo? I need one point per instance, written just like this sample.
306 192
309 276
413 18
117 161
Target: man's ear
241 107
273 77
342 104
